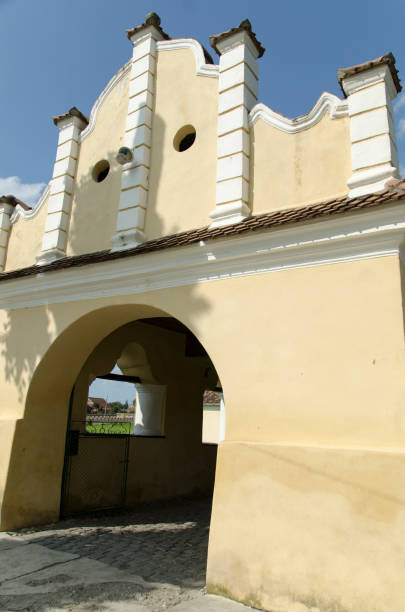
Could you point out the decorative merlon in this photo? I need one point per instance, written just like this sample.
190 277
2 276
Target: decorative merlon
370 89
73 112
344 74
54 241
238 93
227 40
151 26
138 135
13 202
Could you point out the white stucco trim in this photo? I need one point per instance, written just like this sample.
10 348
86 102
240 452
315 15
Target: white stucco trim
122 72
367 78
228 214
372 130
19 211
371 180
202 68
356 236
326 102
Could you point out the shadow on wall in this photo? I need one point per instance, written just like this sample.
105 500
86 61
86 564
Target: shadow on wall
44 348
96 204
19 352
92 225
43 356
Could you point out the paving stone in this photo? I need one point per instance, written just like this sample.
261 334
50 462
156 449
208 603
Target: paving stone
165 543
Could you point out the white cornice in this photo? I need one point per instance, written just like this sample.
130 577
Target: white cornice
362 235
19 211
326 102
107 89
361 80
202 68
235 40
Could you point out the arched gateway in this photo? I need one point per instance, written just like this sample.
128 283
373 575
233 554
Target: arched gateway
87 348
276 245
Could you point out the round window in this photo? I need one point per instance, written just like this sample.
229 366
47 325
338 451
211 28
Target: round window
101 170
184 138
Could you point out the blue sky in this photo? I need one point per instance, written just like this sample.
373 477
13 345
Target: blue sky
113 391
56 54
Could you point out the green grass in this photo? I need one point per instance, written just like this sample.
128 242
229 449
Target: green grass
109 428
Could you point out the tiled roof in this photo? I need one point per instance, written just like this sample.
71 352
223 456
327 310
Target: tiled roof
211 397
13 201
388 59
244 25
73 112
395 192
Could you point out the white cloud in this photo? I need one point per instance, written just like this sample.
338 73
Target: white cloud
401 128
399 103
27 192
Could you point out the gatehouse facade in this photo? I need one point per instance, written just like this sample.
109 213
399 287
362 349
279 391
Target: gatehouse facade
197 240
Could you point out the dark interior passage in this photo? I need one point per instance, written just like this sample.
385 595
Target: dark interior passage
160 457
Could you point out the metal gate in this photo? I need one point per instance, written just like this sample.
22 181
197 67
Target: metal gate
95 469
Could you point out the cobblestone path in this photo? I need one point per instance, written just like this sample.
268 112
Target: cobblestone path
162 541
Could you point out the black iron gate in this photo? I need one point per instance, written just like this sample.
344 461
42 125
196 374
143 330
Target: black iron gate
95 469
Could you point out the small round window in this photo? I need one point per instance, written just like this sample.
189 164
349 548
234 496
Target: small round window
101 170
184 138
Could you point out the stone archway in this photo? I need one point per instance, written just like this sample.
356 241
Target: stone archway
33 485
163 455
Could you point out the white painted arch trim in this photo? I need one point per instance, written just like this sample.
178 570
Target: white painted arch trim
120 74
362 235
20 212
202 68
326 102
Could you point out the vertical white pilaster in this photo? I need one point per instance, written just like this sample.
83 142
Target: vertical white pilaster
138 138
61 190
238 92
6 210
374 153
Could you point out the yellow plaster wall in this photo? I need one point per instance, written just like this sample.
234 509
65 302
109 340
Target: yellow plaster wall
291 170
7 431
321 362
308 528
25 240
312 468
182 184
287 170
95 205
